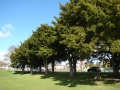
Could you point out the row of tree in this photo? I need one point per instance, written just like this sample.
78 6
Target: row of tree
81 26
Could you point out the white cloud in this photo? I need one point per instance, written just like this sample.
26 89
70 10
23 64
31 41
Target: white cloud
7 27
2 55
6 34
5 31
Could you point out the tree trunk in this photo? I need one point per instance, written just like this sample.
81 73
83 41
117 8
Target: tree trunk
31 68
74 65
53 64
23 67
46 67
116 64
70 66
40 67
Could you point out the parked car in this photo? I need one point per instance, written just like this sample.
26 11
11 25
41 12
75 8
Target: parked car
94 69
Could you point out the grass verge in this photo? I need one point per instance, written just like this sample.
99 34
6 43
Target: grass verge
57 81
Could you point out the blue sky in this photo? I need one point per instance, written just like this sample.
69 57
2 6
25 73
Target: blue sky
18 18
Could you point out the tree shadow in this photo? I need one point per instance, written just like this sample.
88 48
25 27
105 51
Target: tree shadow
64 79
85 78
28 72
21 73
81 78
110 78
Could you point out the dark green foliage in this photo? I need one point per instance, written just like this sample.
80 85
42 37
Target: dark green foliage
82 25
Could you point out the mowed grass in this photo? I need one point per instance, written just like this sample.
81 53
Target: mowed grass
57 81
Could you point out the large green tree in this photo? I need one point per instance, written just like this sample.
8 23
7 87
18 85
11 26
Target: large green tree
100 21
72 39
18 57
45 36
108 29
82 25
75 30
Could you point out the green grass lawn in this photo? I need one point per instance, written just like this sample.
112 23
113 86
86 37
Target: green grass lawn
57 81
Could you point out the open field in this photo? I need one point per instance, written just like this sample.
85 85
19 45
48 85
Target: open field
57 81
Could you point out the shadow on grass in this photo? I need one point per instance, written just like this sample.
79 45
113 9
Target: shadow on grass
27 72
109 78
20 72
64 79
85 78
81 78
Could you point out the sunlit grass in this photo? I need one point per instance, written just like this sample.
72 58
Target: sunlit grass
56 81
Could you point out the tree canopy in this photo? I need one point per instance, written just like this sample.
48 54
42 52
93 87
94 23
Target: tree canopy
81 26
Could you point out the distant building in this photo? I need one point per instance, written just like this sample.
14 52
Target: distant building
3 65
